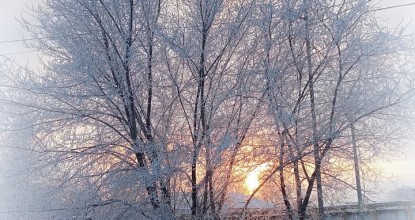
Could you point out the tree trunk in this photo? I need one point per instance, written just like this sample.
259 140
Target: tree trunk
356 168
316 147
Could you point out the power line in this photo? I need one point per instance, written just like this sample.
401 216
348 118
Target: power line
394 6
21 40
11 41
378 9
21 52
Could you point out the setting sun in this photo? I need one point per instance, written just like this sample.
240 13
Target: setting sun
253 177
252 181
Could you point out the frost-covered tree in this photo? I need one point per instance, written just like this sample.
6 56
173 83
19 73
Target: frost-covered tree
217 90
135 95
102 98
333 75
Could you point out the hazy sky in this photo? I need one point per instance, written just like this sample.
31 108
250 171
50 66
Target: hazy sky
10 28
399 15
10 10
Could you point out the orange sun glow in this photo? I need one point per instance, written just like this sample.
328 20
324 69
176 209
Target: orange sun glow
252 181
